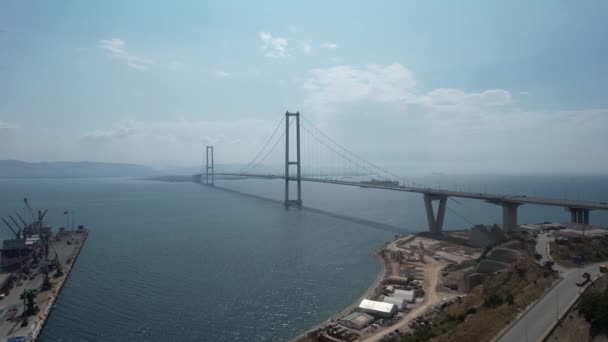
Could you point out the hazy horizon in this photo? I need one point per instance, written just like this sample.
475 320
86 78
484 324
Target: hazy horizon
418 88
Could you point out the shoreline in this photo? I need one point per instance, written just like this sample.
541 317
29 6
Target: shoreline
43 317
382 275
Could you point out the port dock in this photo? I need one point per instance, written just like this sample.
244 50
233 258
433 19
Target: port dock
36 263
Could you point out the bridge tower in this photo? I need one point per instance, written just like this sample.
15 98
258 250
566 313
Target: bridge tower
209 161
289 162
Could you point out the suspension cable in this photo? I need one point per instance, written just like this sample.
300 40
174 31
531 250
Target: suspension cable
349 152
265 145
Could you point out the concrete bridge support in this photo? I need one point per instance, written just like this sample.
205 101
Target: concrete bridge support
579 215
435 222
509 216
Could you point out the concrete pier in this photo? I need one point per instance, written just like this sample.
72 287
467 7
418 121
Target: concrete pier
509 216
579 215
435 222
45 299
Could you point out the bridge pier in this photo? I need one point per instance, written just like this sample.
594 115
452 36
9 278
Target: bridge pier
579 215
509 216
435 222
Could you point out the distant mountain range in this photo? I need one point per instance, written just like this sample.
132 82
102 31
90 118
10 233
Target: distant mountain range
21 169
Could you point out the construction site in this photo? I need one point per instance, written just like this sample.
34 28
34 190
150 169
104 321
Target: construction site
411 284
431 284
35 263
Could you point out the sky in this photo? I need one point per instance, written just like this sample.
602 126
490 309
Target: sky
415 86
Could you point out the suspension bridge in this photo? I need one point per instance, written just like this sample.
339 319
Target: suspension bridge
315 157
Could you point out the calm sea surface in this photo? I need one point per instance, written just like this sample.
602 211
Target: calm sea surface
180 261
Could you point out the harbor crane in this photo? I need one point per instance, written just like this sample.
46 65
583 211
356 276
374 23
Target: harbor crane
11 228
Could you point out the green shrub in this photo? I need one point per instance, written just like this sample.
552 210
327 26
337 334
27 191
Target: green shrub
492 300
594 308
419 335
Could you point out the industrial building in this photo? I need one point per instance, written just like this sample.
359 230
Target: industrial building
400 302
408 295
379 309
13 255
356 320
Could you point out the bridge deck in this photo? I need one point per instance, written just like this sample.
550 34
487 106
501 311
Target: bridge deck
493 198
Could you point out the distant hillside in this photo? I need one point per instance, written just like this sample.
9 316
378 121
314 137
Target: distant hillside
21 169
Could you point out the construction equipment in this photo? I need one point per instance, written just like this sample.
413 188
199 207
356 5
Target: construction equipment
28 211
59 270
11 228
20 230
22 220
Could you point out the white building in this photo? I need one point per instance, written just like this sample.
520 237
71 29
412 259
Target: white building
400 302
408 296
380 309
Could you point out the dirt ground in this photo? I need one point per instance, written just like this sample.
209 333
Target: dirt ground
523 283
591 250
438 254
431 298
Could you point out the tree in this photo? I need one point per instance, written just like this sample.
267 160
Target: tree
28 297
594 308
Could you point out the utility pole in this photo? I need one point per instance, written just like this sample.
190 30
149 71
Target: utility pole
288 162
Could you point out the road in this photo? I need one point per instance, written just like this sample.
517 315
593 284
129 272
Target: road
492 198
544 313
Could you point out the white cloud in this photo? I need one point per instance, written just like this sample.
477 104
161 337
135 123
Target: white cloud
117 48
449 97
450 129
524 93
330 46
7 125
274 47
121 130
328 88
222 74
306 47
